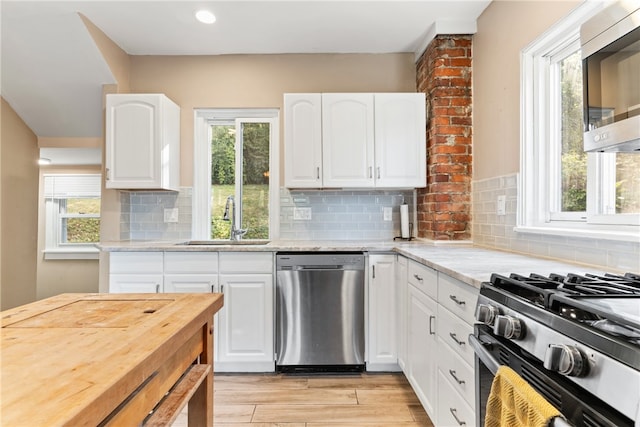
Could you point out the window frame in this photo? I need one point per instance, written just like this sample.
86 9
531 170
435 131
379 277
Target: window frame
201 221
538 172
54 247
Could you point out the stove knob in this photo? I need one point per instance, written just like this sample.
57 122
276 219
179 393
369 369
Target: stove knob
566 360
486 313
508 327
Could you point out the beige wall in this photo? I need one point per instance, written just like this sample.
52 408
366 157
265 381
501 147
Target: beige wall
259 81
504 29
59 276
19 193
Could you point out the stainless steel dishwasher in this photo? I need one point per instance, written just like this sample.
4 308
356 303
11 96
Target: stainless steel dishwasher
320 312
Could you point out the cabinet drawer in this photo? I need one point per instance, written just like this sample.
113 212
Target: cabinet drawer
423 278
458 297
246 262
135 262
459 373
191 262
455 333
452 408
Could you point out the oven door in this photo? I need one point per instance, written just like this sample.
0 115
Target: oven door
576 405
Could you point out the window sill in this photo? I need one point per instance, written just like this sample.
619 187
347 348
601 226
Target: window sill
67 254
630 235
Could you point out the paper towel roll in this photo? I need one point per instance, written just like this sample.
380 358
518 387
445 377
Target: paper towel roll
404 221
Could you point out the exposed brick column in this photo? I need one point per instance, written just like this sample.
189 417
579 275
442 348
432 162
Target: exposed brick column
444 75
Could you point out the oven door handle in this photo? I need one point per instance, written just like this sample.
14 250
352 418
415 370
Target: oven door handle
492 364
485 357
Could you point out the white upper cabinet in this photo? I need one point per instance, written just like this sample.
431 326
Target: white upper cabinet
303 140
142 142
400 140
347 139
355 140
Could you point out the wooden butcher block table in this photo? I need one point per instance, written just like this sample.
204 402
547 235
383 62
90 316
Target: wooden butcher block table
108 359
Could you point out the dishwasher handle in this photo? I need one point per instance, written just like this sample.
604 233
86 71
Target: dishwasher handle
319 267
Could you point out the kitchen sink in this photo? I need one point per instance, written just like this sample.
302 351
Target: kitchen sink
225 242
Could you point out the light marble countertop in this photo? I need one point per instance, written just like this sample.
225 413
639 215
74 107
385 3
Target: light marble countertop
470 264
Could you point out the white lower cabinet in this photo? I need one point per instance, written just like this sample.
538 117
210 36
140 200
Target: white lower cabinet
456 378
453 409
135 283
401 310
246 321
422 348
439 361
243 335
194 272
382 333
136 272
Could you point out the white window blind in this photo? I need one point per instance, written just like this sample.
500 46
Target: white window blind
71 186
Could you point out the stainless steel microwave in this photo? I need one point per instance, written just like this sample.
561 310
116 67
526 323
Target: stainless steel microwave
610 44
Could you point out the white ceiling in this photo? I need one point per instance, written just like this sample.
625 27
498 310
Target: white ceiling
52 73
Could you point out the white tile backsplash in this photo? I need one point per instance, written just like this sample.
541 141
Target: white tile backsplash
493 231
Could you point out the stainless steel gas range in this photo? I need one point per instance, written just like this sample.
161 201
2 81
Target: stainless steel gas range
574 338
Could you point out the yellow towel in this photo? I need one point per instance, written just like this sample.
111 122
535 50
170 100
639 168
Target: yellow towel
514 403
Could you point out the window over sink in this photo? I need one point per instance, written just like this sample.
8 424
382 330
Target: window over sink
564 190
235 173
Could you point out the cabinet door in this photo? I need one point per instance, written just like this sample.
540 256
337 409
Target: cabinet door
422 348
400 140
135 283
303 140
142 142
382 353
347 139
401 311
246 319
190 283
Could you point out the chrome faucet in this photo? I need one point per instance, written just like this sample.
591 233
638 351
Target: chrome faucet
236 233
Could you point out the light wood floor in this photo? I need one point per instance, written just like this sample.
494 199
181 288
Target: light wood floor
352 400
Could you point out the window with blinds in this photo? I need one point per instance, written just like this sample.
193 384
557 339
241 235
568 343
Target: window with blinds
72 205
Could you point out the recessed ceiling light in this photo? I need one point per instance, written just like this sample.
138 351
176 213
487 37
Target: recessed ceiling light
205 16
44 161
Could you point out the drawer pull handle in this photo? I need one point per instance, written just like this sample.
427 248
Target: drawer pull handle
455 339
157 288
418 278
453 374
455 415
456 300
431 319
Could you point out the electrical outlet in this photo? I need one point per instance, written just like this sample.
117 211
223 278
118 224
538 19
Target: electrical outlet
171 215
386 213
302 214
501 205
